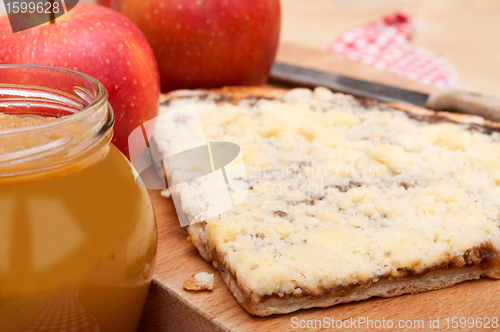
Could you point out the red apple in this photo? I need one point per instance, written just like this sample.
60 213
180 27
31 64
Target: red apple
104 2
208 43
102 43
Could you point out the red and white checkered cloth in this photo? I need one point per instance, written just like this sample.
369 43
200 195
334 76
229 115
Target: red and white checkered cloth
385 44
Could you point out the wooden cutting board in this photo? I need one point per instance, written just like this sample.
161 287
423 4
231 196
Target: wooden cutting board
170 308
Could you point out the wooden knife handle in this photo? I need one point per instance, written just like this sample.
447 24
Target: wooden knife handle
465 101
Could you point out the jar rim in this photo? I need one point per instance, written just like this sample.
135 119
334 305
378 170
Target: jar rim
100 99
46 147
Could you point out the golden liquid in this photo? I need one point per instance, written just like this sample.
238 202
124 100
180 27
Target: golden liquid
8 121
76 251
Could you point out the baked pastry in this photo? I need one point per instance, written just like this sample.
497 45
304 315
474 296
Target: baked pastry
200 281
347 198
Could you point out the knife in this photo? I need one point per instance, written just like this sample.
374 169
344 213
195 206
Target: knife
441 99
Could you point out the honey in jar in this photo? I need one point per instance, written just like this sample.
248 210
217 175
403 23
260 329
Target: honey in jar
77 235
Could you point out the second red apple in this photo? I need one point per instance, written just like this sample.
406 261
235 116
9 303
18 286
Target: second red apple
200 43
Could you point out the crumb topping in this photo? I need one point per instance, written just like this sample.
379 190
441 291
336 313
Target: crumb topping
340 192
200 281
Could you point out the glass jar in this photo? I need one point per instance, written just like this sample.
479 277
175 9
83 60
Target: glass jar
77 235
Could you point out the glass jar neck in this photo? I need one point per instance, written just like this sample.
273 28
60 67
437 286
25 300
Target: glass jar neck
77 138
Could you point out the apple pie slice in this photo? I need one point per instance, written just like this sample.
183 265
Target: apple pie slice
347 198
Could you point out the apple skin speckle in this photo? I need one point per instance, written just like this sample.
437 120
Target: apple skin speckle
98 52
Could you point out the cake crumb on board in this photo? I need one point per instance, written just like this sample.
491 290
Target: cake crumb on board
200 281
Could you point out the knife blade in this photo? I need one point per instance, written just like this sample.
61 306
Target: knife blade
310 77
454 100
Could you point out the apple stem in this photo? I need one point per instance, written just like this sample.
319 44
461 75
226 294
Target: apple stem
52 14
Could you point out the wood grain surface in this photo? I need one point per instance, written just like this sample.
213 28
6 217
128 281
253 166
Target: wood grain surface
170 308
316 59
